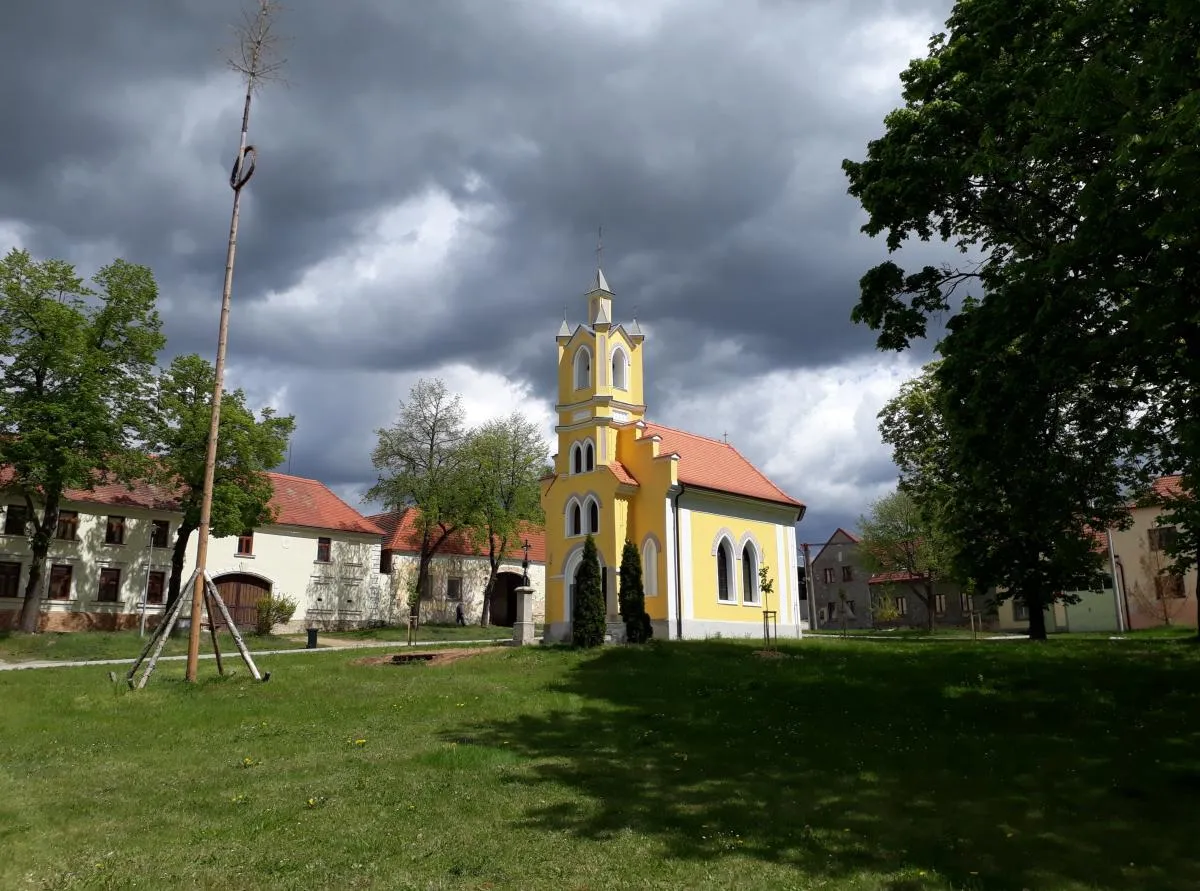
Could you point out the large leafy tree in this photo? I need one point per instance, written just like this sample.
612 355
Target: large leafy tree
503 460
1053 144
247 447
589 619
422 464
76 376
896 536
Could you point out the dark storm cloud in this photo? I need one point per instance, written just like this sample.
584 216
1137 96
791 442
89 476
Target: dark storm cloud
707 145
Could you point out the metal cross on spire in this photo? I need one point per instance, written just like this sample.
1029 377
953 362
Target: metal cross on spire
599 245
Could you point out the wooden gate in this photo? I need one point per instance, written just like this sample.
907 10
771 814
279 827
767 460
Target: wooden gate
241 594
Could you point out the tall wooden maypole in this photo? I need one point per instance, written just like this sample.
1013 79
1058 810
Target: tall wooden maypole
256 60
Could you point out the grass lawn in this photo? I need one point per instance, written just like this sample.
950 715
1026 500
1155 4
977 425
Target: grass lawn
80 645
426 631
845 765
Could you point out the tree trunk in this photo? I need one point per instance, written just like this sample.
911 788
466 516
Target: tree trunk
930 606
43 533
1037 616
485 614
178 556
423 583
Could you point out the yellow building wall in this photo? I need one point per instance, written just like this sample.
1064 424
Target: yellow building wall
705 527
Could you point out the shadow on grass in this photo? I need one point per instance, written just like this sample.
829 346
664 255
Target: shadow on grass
986 766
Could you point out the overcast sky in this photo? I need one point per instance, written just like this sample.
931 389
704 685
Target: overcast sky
429 187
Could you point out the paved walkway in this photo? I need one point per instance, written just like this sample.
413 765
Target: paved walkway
233 653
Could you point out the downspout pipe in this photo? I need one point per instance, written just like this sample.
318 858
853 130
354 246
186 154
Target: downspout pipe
678 570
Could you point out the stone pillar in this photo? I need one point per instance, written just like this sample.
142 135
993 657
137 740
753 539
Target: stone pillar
523 632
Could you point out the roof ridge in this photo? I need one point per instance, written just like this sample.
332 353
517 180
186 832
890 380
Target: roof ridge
690 433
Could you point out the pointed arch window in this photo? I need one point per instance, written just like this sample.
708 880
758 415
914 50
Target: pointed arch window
593 516
589 457
576 458
725 573
583 368
620 369
749 575
650 568
576 519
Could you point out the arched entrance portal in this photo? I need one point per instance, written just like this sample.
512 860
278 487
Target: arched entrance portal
241 593
504 599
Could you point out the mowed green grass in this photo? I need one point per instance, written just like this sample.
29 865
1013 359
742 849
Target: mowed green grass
873 766
82 646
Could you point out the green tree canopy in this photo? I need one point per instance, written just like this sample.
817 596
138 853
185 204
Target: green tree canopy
503 460
247 447
76 387
1053 144
422 464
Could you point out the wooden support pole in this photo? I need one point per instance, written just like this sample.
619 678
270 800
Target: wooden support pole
233 630
212 629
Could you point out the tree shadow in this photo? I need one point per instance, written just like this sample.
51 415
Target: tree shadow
992 766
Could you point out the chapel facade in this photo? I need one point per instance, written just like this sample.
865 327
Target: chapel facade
703 517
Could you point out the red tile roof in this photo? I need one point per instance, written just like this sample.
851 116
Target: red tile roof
1167 486
400 535
884 578
712 464
305 502
621 472
297 501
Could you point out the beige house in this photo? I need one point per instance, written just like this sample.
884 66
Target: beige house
111 559
459 571
1143 595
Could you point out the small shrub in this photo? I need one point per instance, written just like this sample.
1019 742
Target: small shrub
272 611
589 619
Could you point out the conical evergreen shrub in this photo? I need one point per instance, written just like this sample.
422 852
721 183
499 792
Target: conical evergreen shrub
589 614
632 595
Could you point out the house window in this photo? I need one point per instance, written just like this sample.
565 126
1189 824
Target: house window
749 576
939 604
620 365
576 520
10 579
583 368
1020 611
847 573
1167 587
14 520
829 576
156 586
324 550
577 458
454 588
160 533
245 545
109 590
964 601
114 531
650 569
385 561
60 582
902 605
68 525
589 457
1161 538
849 609
593 517
724 572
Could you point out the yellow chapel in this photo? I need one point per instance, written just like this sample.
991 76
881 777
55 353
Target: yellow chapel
703 517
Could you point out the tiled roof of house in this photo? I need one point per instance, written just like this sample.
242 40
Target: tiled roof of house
884 578
304 502
1167 486
712 464
298 501
401 535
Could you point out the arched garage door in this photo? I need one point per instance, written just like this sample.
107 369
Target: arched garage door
241 594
